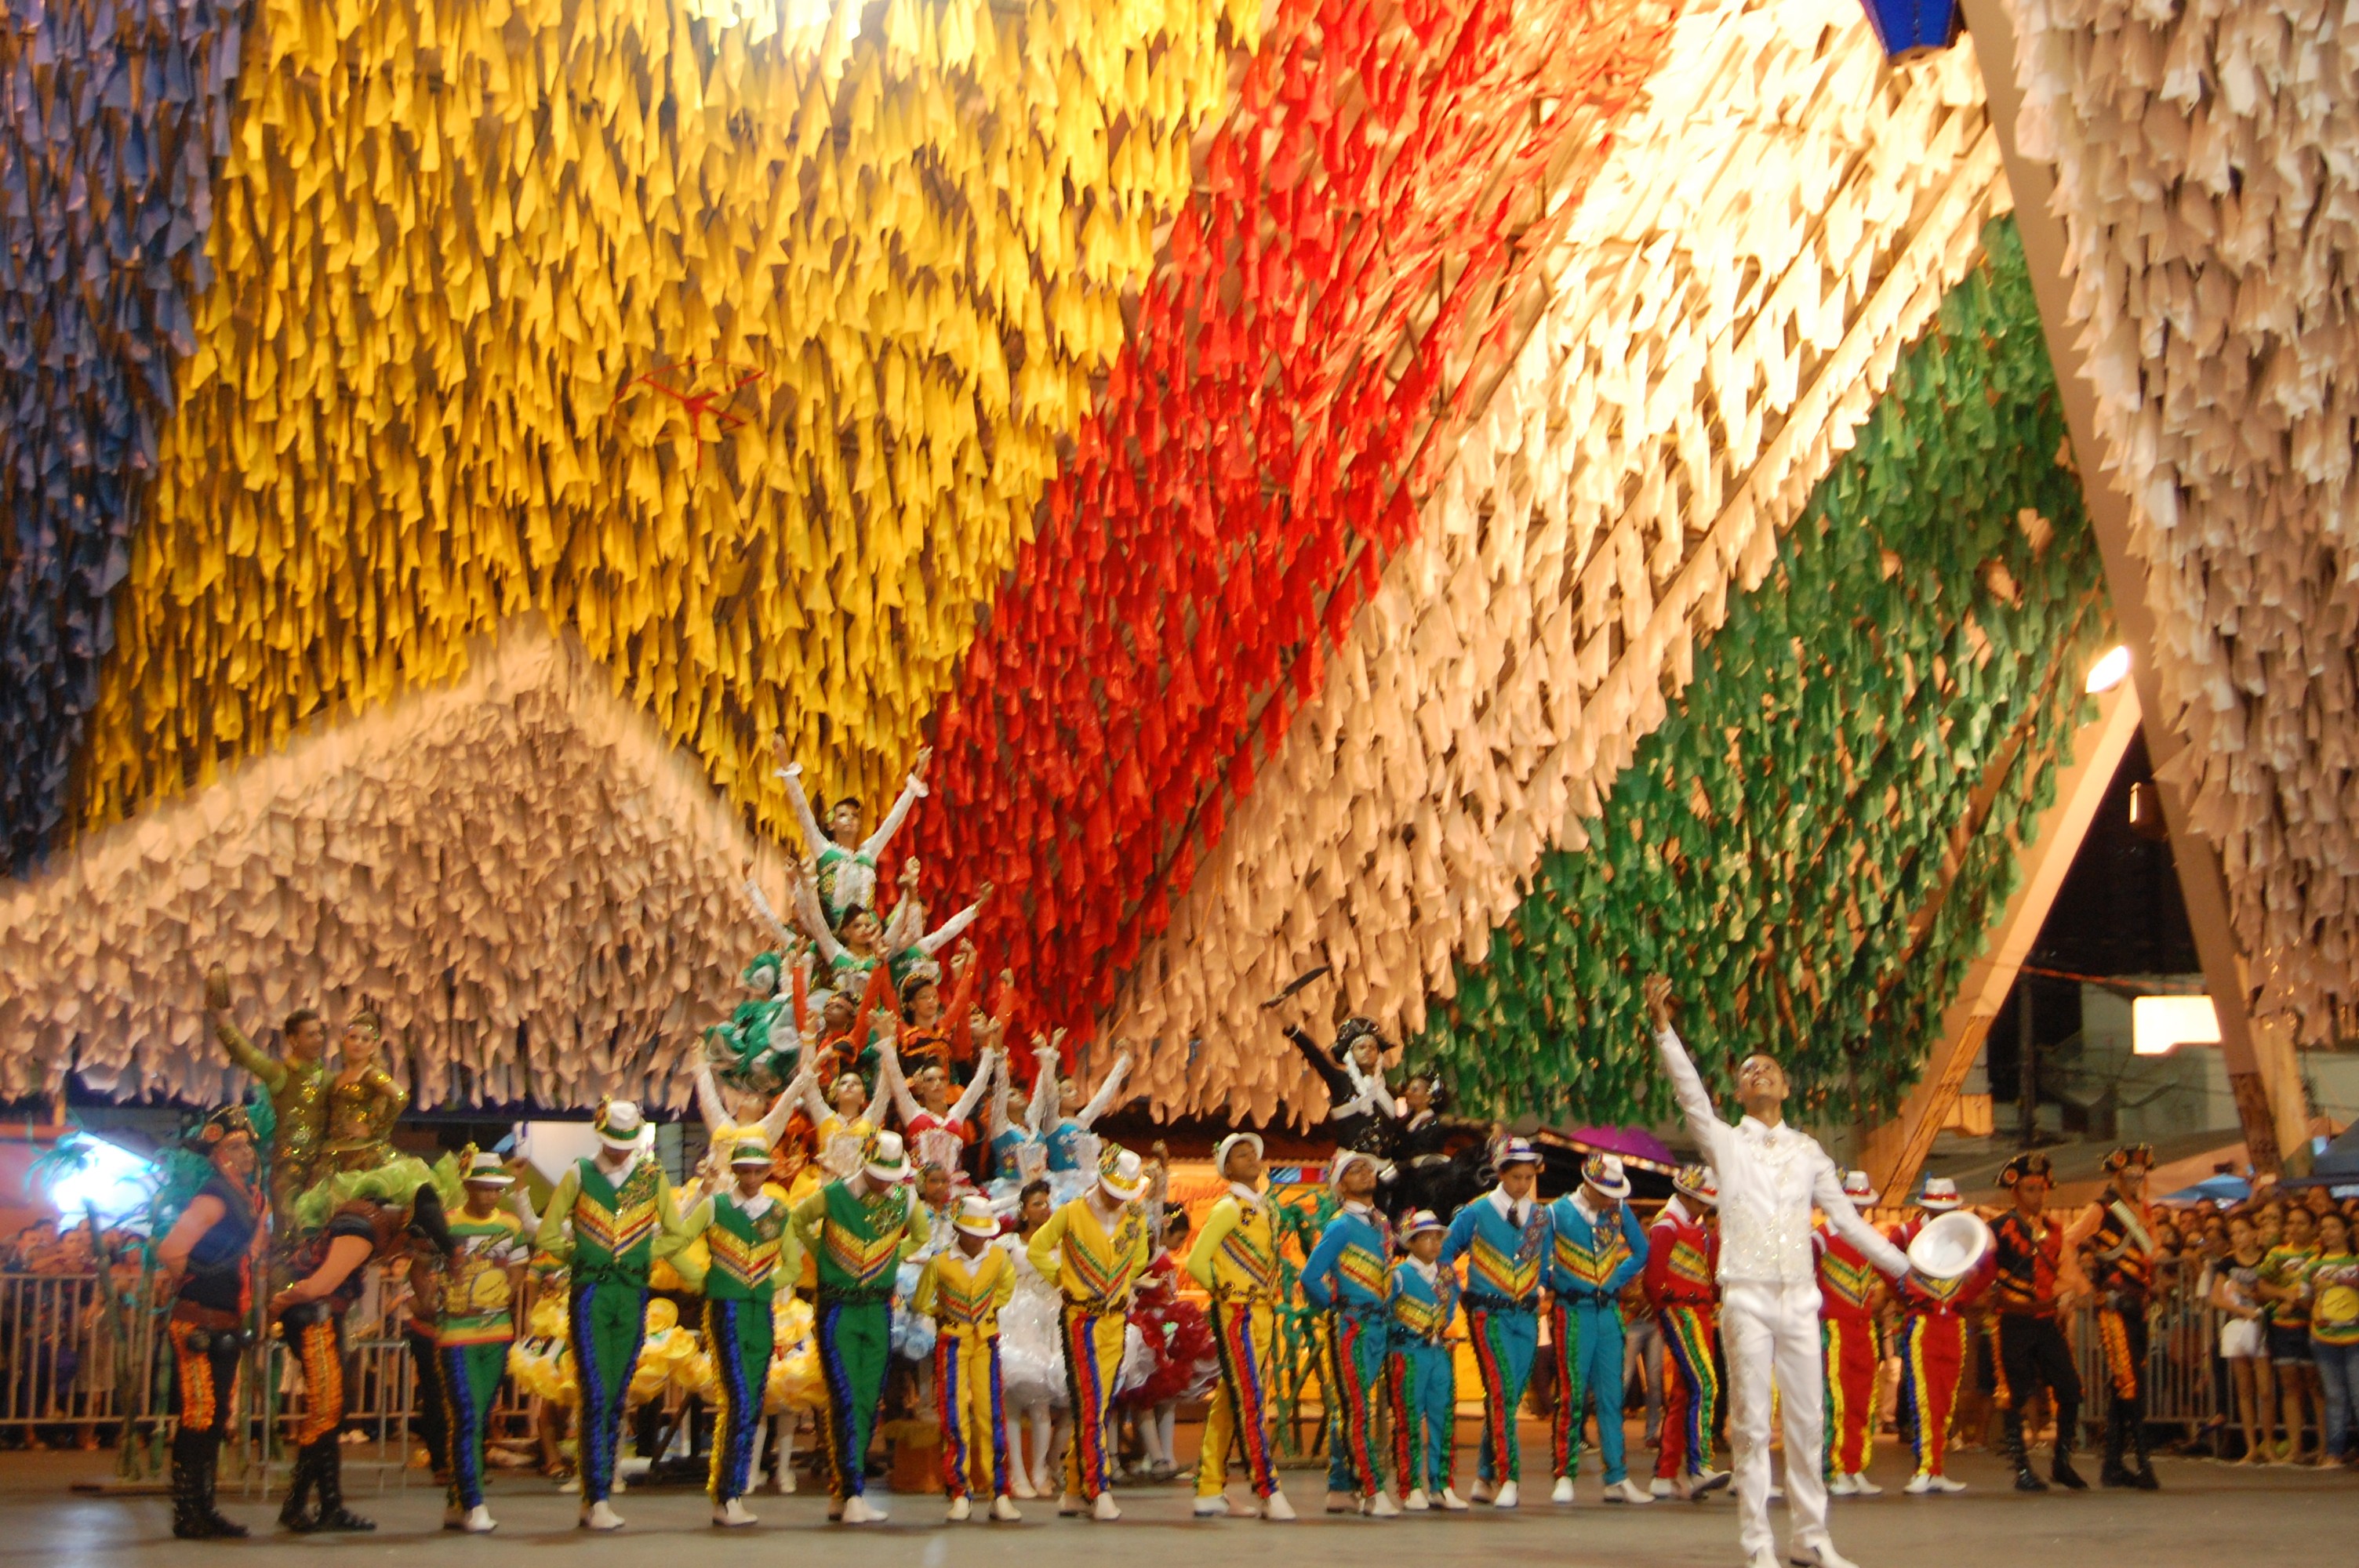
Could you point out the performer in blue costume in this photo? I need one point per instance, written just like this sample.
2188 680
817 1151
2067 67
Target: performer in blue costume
1504 1236
1599 1250
1349 1277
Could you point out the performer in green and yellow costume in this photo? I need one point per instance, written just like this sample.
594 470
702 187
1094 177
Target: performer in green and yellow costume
474 1322
747 1239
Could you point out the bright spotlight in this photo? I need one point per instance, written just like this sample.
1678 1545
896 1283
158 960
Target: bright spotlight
87 1174
2159 1024
2110 670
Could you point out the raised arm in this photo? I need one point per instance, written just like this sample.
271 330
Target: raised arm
241 1051
814 918
949 931
911 793
892 1086
798 1092
1046 1085
1224 1218
1108 1094
805 1088
1686 1084
786 934
963 1107
1340 1088
709 1106
1826 1191
791 772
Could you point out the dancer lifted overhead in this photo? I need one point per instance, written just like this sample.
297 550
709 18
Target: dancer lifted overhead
845 863
1770 1175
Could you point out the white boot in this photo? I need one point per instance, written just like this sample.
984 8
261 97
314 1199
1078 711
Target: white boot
1004 1511
1508 1495
1842 1486
1416 1502
1277 1509
1627 1491
1106 1513
1452 1503
1214 1506
858 1510
1343 1503
732 1514
1381 1506
1861 1486
960 1511
1943 1484
1918 1485
601 1514
1663 1487
1481 1491
479 1521
1563 1493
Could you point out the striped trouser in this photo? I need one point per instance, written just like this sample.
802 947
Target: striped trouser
737 1336
1356 1374
1933 1356
1242 1333
1692 1392
1504 1339
468 1378
974 1416
1854 1358
1421 1384
1093 1357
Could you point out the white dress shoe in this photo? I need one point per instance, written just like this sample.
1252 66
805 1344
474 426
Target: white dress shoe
1918 1485
1003 1510
732 1514
961 1510
1481 1491
1508 1495
1452 1503
1104 1512
1562 1492
1661 1487
1343 1503
1704 1483
1070 1505
1764 1558
1626 1490
479 1521
601 1514
1943 1484
860 1510
1276 1509
1864 1487
1380 1505
1822 1555
1842 1486
1416 1502
1214 1506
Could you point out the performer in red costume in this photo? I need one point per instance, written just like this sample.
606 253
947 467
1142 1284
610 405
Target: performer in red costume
1934 1346
2038 1279
1682 1286
1849 1292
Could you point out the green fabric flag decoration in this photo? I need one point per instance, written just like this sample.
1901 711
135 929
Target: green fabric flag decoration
1815 842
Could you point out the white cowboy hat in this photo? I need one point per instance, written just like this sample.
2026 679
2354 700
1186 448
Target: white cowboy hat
1950 1246
621 1124
1221 1151
1604 1173
1419 1223
1941 1195
977 1216
1518 1151
886 1159
1699 1183
1122 1174
1344 1160
485 1170
749 1152
1859 1189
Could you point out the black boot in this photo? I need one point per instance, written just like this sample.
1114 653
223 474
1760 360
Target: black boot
2011 1438
2113 1472
296 1513
188 1520
328 1476
2061 1472
215 1523
2148 1481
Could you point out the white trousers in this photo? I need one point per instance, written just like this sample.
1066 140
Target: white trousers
1769 1335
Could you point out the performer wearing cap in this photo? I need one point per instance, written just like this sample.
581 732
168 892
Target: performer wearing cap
1848 1296
1094 1249
1505 1237
746 1236
2117 1226
857 1228
1348 1276
1599 1248
1683 1285
1770 1175
1421 1374
1934 1346
1235 1259
474 1322
2037 1277
601 1222
1361 1110
962 1289
205 1268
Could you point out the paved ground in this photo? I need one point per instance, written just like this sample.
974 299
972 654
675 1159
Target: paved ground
2209 1516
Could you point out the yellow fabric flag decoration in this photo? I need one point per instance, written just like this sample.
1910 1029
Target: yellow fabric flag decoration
744 350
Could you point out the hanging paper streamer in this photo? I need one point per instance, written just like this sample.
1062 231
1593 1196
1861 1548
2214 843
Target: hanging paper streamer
1813 846
110 113
1357 260
1703 356
2212 219
451 235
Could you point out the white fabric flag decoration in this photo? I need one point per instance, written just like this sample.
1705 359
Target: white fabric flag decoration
2211 204
1781 215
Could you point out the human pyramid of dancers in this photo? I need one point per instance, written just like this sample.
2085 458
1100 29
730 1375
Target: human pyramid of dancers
1030 1271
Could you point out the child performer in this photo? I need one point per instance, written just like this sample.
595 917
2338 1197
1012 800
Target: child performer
964 1287
1421 1377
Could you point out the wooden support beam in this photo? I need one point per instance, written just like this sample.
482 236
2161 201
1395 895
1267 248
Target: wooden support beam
2260 1063
1896 1152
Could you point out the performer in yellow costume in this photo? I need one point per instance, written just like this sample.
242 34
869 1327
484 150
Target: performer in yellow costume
962 1289
1237 1259
1094 1249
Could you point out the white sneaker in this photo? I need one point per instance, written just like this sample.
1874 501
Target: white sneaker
601 1514
1704 1483
1277 1509
1943 1484
961 1510
1481 1492
1626 1490
1663 1487
1508 1495
1343 1503
1864 1487
1416 1502
1214 1507
1070 1505
1822 1555
1380 1505
1563 1493
479 1521
1106 1513
1842 1486
1918 1485
1452 1503
858 1510
732 1514
1003 1510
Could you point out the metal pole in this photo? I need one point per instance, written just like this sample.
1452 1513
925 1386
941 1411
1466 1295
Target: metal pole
2027 1064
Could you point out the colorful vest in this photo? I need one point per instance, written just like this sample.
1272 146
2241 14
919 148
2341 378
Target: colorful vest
963 1292
1846 1279
1351 1268
745 1248
1503 1263
860 1241
1422 1309
1097 1271
476 1309
2124 1247
614 1225
1681 1264
1246 1266
2027 1253
1593 1260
